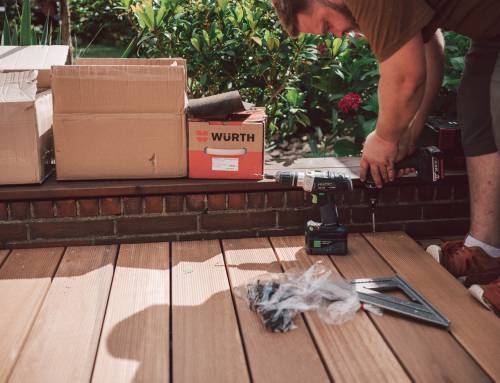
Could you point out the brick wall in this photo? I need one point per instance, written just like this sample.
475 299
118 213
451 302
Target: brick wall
422 211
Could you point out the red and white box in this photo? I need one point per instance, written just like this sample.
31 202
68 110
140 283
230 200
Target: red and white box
232 149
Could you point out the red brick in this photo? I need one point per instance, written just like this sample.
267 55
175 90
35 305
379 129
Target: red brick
354 197
386 213
433 229
153 204
88 207
236 201
195 202
297 218
443 192
389 195
380 227
295 198
275 199
256 200
407 193
3 211
236 221
43 209
425 193
132 205
66 208
19 210
461 191
156 225
451 210
111 206
73 229
13 231
174 203
216 201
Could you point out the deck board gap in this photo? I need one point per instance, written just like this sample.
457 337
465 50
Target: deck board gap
105 311
240 330
4 254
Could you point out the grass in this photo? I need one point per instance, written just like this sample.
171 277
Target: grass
100 51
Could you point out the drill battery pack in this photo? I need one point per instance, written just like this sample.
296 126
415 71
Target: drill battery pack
326 239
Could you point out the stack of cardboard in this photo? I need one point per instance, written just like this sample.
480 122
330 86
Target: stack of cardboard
26 112
117 118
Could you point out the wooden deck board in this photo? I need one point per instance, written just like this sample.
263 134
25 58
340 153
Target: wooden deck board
416 344
206 341
354 351
63 341
477 329
273 357
24 281
134 342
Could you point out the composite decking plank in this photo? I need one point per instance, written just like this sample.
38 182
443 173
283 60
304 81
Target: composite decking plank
273 357
3 255
206 340
354 351
134 345
62 344
476 328
416 344
24 281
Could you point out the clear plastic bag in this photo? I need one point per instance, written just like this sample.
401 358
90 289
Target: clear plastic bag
278 298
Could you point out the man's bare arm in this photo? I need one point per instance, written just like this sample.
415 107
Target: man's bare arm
401 90
434 57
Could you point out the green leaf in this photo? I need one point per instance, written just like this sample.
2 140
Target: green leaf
132 45
344 147
257 39
6 35
46 32
26 36
206 37
196 43
337 43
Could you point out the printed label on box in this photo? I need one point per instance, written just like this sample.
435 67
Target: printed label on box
225 164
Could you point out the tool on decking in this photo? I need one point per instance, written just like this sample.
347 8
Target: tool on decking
327 236
417 307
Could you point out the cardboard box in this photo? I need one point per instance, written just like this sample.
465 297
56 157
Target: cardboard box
120 120
231 149
25 129
33 57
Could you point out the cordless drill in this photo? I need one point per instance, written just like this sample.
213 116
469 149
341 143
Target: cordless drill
327 237
428 163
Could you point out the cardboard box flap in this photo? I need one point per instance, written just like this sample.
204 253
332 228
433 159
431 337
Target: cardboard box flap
32 57
119 89
131 61
18 86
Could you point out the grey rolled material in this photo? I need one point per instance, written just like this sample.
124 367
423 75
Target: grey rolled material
217 107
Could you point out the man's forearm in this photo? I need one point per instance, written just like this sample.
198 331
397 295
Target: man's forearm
399 100
434 57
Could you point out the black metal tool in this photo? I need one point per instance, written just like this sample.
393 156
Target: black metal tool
417 307
428 163
327 237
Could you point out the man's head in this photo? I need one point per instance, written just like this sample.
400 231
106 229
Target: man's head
314 16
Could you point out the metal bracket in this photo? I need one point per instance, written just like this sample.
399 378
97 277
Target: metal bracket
417 307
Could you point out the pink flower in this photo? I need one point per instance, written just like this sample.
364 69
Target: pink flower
321 47
351 101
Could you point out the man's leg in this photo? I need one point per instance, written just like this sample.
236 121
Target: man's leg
477 116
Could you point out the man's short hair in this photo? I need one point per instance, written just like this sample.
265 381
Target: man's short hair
287 12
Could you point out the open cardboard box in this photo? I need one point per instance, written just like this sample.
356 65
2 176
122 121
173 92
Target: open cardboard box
232 149
120 118
33 57
25 129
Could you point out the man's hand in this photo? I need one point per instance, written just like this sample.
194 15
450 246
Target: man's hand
379 156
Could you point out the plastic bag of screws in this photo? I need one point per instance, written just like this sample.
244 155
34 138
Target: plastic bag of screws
278 298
